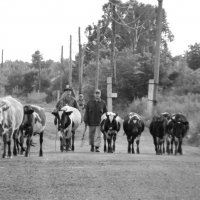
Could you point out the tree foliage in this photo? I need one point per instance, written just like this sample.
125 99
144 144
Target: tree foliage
193 56
135 29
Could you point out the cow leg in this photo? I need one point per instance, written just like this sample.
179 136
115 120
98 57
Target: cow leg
21 143
168 145
68 144
41 141
159 141
176 146
132 147
163 147
129 144
9 145
16 144
104 139
114 139
138 149
73 136
109 145
138 143
28 146
180 146
172 143
155 144
160 147
61 144
4 146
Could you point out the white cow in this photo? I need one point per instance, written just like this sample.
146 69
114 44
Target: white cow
110 125
11 116
69 119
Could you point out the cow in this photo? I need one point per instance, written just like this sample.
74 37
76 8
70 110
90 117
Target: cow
68 120
33 123
133 126
110 126
11 116
157 129
178 127
169 138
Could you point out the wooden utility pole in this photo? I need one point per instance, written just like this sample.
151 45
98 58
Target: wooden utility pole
39 76
153 84
2 59
110 95
97 57
81 70
70 62
113 41
157 53
80 58
61 61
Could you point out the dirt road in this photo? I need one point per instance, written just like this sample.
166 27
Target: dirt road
82 175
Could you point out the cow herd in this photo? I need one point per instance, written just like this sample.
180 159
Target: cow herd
19 121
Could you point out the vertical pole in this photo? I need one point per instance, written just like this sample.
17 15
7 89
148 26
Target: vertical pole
2 59
81 70
97 58
80 57
109 93
61 60
157 53
70 62
39 78
150 102
113 63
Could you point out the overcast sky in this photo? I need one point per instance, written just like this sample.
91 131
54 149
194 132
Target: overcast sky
46 25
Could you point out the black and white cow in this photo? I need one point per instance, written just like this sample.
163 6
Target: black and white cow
178 127
110 126
169 137
157 129
133 126
11 116
34 122
68 120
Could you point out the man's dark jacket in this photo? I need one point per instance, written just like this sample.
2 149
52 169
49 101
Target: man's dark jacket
94 111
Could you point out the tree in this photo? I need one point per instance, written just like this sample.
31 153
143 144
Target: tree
135 29
193 56
36 63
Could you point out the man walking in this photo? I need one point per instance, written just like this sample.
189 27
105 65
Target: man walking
67 98
94 110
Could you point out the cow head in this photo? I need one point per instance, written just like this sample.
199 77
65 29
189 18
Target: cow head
28 120
65 124
135 123
179 125
111 125
166 115
158 118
